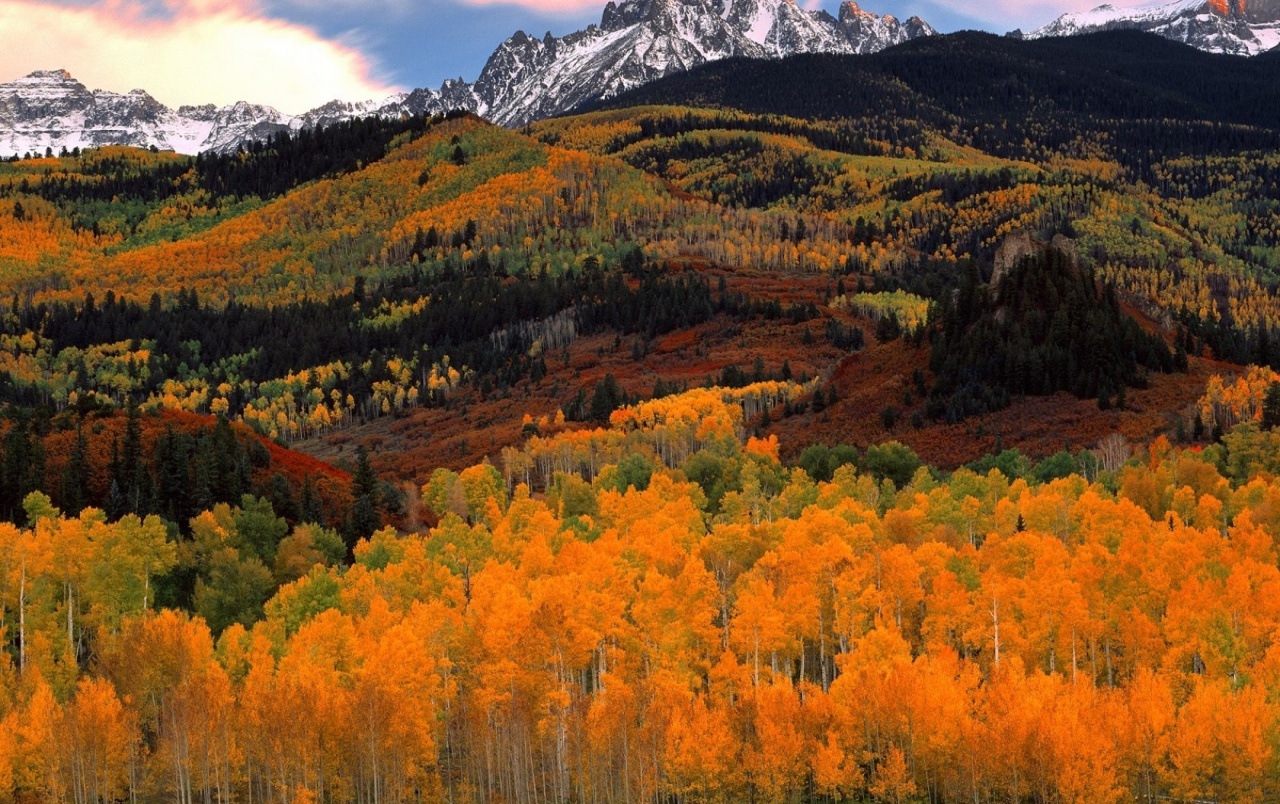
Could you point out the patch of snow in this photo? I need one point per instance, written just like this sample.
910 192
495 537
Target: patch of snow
761 24
1105 14
1268 36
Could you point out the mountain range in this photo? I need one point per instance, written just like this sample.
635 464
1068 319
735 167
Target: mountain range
528 79
49 109
1235 27
637 41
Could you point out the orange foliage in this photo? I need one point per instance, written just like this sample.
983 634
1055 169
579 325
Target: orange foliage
1226 405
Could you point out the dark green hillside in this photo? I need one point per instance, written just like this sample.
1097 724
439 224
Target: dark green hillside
1044 325
1159 159
1010 97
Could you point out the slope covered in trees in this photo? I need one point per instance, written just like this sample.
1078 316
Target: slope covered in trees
1117 81
1041 327
1192 243
168 462
471 266
467 258
1156 157
448 189
682 616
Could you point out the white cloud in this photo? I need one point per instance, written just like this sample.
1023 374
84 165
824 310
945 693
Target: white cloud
185 51
550 7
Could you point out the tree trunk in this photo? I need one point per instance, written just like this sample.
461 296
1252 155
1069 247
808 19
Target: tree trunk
22 619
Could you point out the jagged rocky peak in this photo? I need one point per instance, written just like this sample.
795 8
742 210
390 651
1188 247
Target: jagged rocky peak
43 77
1247 10
850 10
47 78
634 12
525 79
639 41
1236 27
44 84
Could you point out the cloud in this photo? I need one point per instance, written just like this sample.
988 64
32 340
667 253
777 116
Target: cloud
186 51
380 7
561 8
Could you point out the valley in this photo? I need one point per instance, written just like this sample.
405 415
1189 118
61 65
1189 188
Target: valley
760 211
891 424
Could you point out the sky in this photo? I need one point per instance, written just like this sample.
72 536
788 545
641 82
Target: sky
298 54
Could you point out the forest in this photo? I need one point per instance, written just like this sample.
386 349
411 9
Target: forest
470 259
680 616
1040 328
296 370
423 460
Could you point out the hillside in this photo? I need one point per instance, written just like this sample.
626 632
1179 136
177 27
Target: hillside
171 462
466 258
893 440
1125 77
374 217
419 286
423 302
1157 158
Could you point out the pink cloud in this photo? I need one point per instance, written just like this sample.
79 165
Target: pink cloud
564 7
186 51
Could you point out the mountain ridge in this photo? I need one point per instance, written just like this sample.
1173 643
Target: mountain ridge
51 110
1114 74
638 41
525 79
1233 27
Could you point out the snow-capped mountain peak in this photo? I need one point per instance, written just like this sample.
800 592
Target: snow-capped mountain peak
49 109
525 79
638 41
1237 27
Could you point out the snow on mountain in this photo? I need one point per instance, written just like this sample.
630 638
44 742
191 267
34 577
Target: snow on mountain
638 41
49 109
525 79
1236 27
338 111
52 107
